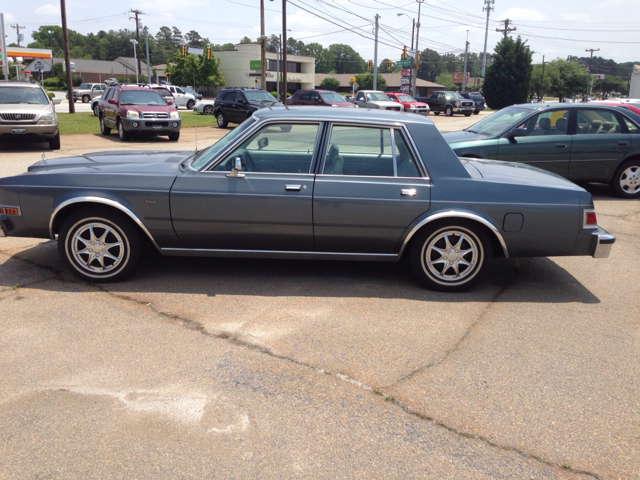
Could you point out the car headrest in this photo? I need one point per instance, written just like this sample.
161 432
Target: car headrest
561 124
545 123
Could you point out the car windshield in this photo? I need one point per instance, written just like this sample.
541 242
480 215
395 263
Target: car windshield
500 121
405 98
141 97
203 157
259 96
85 86
29 95
377 96
331 97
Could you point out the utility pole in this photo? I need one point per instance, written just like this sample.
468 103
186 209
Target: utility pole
136 13
375 57
589 77
420 2
487 6
146 43
542 81
17 27
412 60
506 28
263 51
67 60
278 67
284 52
464 73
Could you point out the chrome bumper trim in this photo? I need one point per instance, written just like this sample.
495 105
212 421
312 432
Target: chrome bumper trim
603 244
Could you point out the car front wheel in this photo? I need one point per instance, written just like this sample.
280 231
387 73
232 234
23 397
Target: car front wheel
86 98
222 122
476 112
99 245
448 111
436 113
122 133
626 181
450 257
54 143
174 136
190 104
207 110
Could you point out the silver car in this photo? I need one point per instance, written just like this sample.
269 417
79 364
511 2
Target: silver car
27 113
87 91
376 99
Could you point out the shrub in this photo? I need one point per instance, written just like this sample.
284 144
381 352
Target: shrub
76 81
50 95
330 83
52 82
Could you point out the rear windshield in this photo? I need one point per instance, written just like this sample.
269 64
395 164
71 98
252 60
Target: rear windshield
85 86
259 96
30 95
141 97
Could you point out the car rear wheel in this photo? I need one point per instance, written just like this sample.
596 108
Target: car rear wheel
450 256
122 133
86 98
476 112
103 128
174 136
222 122
448 111
467 114
626 181
207 110
190 104
99 245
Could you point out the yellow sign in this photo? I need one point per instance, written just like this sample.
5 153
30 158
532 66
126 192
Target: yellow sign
352 79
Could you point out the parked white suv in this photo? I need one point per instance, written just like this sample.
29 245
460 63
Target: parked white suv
182 97
376 99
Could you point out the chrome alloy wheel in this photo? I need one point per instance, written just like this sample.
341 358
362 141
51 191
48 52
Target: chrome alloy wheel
452 255
630 180
97 248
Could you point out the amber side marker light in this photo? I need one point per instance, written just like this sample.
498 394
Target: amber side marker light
9 211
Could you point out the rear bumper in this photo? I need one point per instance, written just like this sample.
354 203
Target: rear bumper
603 241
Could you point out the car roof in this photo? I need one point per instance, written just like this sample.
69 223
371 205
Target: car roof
20 84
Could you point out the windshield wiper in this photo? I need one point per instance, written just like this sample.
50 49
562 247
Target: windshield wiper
469 130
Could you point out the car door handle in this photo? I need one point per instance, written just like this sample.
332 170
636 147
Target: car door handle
408 192
561 145
292 188
622 143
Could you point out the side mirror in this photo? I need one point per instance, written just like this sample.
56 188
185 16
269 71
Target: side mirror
169 102
112 101
55 101
517 132
263 142
237 167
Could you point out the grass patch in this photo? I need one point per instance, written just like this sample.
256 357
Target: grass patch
86 122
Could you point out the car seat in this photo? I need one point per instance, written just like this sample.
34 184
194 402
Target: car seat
595 127
561 126
334 164
545 126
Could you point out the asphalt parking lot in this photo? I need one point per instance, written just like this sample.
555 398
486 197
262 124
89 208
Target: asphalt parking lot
233 368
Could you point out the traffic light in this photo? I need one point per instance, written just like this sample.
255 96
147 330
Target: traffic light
370 64
209 53
389 65
184 50
167 74
404 53
417 56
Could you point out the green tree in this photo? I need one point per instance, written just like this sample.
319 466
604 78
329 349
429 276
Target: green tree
537 85
446 79
330 83
508 78
244 40
610 83
195 69
346 59
567 79
430 65
323 57
365 82
194 39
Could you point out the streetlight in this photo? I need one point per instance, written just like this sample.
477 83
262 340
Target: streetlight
51 45
135 42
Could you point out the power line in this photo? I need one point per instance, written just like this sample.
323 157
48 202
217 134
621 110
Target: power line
506 28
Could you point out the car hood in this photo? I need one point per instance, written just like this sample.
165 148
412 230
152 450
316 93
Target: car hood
26 108
515 173
463 136
115 162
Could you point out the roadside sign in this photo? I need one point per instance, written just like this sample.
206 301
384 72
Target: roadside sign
255 65
598 76
404 81
405 72
404 63
456 77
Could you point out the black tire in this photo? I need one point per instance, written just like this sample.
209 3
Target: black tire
448 111
222 121
174 136
207 110
436 113
75 100
467 114
626 181
103 128
54 143
86 99
88 245
190 104
476 112
461 244
122 133
96 110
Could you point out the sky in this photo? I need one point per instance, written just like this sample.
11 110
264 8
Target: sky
553 28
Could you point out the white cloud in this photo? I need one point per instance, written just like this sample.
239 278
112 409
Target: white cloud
49 10
523 14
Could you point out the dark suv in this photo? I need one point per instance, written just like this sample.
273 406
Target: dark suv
237 104
448 103
134 110
477 98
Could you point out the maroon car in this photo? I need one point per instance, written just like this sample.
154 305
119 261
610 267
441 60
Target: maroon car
133 110
325 98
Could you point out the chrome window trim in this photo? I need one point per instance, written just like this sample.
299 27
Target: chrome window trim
455 214
104 201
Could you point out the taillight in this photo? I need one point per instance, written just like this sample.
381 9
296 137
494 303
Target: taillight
590 219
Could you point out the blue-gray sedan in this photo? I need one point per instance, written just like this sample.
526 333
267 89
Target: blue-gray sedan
306 183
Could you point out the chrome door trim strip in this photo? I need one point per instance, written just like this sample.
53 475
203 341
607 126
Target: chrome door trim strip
286 254
103 201
456 214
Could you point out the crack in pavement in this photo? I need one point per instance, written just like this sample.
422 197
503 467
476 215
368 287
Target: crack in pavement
237 340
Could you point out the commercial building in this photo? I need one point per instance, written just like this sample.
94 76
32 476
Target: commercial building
394 83
92 71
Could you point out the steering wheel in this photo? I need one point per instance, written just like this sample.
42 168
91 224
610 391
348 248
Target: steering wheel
247 162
